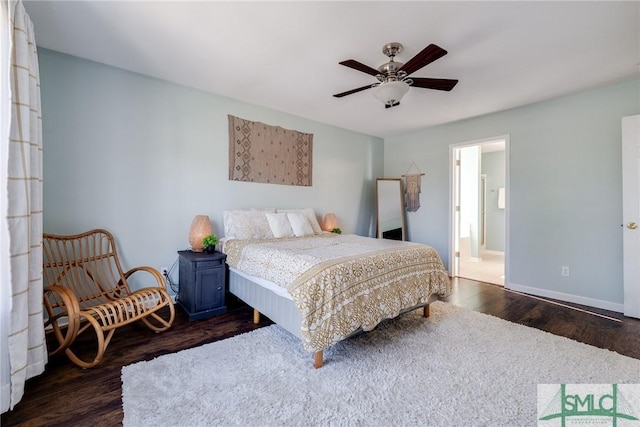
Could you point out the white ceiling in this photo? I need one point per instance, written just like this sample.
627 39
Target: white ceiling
284 55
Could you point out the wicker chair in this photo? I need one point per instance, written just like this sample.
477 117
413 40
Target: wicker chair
86 289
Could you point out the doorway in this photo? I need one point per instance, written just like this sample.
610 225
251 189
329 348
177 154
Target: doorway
479 210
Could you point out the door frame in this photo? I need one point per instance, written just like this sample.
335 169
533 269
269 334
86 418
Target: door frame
483 211
454 225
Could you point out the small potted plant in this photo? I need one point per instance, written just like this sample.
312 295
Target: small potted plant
336 230
209 243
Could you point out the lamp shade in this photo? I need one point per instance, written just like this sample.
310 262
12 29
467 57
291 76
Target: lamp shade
390 93
200 228
329 222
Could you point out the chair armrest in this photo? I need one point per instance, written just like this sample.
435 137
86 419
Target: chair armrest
155 273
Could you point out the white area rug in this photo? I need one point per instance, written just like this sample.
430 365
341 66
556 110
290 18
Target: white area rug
456 368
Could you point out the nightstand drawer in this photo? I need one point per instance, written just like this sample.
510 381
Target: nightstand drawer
209 264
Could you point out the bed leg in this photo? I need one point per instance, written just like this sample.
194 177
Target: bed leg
318 359
256 316
426 311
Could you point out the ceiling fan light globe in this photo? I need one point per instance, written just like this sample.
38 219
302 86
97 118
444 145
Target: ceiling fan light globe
390 93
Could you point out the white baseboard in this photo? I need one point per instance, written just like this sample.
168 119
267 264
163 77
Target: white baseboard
561 296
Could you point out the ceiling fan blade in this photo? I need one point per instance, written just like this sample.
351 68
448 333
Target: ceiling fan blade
437 84
352 63
425 57
349 92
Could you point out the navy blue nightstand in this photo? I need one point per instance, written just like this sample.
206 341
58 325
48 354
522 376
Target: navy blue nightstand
202 284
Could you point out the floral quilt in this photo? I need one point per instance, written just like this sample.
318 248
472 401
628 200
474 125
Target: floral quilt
341 283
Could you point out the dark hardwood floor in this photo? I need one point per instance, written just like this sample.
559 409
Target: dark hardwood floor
67 395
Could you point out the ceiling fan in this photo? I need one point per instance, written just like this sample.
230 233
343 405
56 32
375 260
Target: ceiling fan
393 82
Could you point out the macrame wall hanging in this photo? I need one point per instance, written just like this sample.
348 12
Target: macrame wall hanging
412 183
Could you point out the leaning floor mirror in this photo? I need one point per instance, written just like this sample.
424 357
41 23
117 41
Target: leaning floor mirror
390 209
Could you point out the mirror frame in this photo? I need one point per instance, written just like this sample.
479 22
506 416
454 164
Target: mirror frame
379 232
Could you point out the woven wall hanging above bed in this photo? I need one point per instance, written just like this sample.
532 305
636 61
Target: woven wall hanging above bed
269 154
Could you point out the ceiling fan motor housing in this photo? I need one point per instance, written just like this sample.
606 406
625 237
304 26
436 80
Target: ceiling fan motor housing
391 68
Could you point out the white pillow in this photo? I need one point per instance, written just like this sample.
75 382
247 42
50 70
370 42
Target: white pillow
279 224
309 214
246 225
300 224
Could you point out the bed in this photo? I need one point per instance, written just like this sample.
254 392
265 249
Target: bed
324 287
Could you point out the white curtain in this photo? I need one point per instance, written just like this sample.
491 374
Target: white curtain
22 206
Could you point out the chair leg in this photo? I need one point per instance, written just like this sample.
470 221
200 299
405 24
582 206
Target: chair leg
64 324
103 342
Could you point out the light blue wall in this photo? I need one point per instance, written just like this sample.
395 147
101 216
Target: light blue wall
565 190
141 157
493 168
